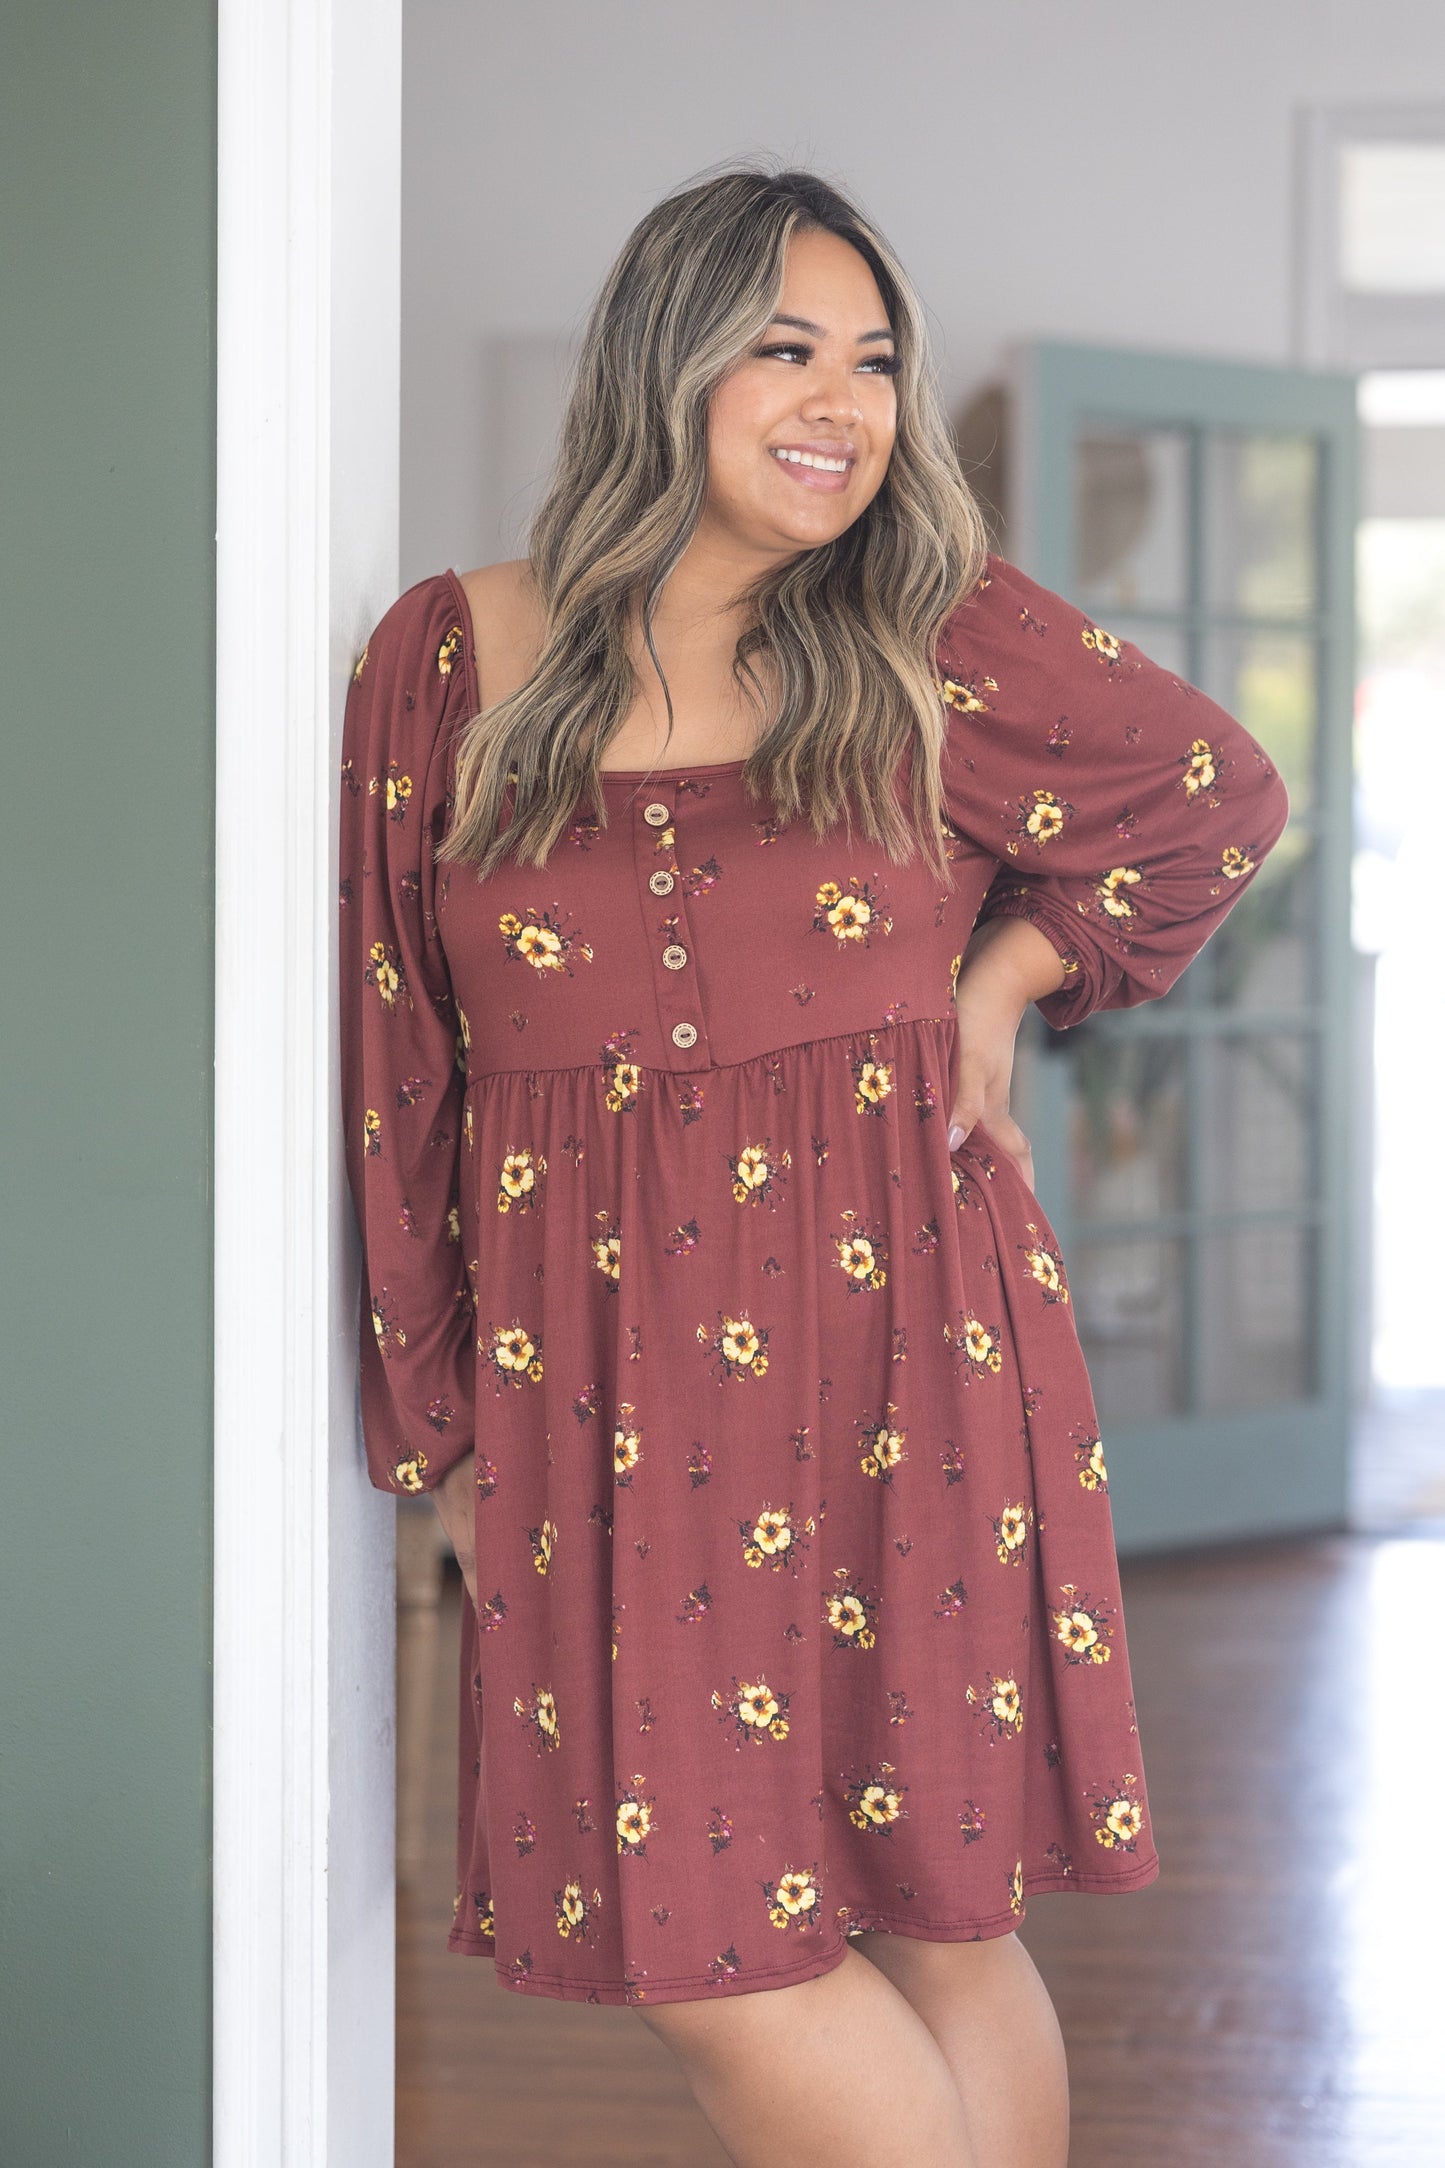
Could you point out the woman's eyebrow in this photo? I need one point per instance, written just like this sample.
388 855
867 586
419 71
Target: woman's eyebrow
800 323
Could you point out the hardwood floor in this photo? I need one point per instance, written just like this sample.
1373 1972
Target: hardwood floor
1271 2002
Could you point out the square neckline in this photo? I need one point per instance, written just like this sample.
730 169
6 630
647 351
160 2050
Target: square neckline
620 775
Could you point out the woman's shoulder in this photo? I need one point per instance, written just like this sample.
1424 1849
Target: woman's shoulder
507 625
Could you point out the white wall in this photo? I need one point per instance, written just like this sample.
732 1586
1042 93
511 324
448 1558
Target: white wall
1122 172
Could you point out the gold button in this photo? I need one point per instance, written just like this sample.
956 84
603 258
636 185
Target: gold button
655 814
674 956
684 1034
659 882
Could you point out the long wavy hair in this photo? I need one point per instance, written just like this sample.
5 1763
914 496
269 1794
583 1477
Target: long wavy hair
848 627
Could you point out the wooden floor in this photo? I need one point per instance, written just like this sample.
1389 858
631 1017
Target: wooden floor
1272 2001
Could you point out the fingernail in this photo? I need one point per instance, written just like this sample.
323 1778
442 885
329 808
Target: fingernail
955 1136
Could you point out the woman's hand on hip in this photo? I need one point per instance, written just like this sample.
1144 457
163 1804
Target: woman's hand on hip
1007 965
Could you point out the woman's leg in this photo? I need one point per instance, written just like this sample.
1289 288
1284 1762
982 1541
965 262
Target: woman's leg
990 2013
833 2068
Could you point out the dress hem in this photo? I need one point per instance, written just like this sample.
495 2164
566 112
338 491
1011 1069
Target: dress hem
811 1965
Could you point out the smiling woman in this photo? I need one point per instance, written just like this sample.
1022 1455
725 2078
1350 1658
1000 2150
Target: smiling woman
706 1289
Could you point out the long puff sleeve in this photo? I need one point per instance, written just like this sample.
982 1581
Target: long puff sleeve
1127 811
402 1079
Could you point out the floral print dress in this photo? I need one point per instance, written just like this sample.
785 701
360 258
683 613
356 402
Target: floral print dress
799 1602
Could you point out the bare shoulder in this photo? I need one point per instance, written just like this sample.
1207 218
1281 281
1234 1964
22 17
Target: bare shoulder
506 626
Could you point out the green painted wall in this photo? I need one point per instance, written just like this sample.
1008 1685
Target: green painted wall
107 542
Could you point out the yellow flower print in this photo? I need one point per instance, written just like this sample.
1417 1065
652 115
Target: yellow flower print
966 695
574 1910
623 1085
740 1346
371 1131
389 1334
464 1038
1080 1628
1110 891
519 1181
1003 1706
1201 768
607 1254
1041 818
361 660
467 1129
1093 1475
1236 862
411 1474
1103 643
851 1613
454 1224
882 1448
759 1172
449 650
758 1711
770 1538
1010 1532
862 1256
541 940
793 1900
852 915
875 1805
543 1541
515 1353
1016 1888
1118 1819
486 1919
626 1444
634 1819
541 1713
980 1346
872 1083
955 966
384 972
1046 1268
397 790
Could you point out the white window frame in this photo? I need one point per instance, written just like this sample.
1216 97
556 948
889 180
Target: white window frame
307 477
1335 328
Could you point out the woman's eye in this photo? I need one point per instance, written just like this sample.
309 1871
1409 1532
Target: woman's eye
878 364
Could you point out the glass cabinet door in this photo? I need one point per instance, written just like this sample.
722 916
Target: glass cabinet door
1190 1153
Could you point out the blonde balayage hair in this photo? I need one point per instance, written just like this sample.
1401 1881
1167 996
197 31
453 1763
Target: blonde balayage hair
849 627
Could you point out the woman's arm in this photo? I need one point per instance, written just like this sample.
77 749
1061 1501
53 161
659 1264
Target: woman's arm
402 1076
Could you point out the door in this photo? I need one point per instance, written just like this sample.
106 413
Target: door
1192 1154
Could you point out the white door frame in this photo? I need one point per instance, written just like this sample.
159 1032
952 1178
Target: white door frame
307 456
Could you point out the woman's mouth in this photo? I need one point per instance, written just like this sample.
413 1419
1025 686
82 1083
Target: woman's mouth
814 470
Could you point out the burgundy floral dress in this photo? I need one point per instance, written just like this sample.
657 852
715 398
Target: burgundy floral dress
799 1601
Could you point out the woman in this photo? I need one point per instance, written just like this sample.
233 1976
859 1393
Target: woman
697 873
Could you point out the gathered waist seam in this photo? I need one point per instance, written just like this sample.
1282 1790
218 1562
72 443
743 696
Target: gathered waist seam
871 1032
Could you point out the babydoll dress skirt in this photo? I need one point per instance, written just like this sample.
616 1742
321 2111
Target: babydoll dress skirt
798 1601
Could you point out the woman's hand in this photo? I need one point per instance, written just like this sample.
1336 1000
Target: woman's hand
1007 965
455 1498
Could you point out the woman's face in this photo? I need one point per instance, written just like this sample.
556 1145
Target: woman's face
817 386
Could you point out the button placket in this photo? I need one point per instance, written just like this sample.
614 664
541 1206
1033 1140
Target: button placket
674 970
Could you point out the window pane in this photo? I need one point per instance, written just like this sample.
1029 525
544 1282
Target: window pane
1128 1119
1260 499
1257 1308
1267 681
1257 1120
1392 218
1129 1310
1265 955
1131 519
1166 644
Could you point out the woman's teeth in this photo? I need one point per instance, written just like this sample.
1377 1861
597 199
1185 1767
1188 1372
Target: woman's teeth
813 459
